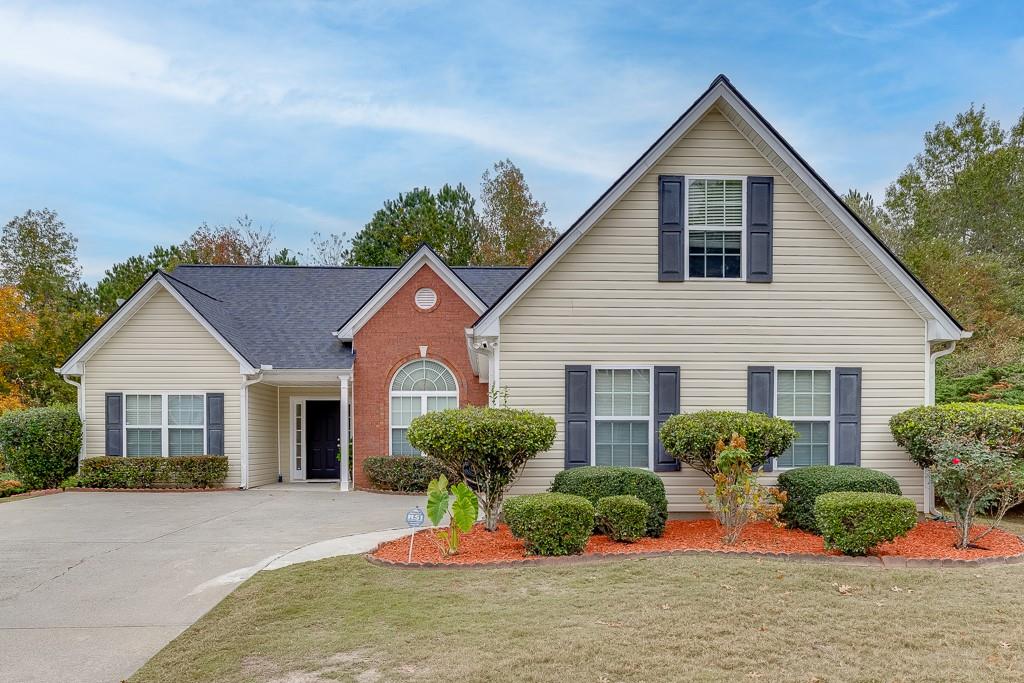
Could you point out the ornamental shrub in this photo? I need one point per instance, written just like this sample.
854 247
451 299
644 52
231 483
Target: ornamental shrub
919 430
488 446
180 472
551 523
691 437
738 498
622 518
11 487
407 473
970 477
803 485
595 483
856 521
459 503
41 445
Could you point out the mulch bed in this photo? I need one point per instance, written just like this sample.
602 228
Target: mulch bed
928 540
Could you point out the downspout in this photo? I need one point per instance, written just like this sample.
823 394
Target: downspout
929 400
247 381
80 395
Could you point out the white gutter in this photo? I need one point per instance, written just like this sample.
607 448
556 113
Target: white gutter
80 395
247 381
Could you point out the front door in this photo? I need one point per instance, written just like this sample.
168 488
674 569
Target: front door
323 428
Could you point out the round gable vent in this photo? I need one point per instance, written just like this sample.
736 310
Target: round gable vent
426 298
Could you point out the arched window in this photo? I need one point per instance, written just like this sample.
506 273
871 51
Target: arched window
419 387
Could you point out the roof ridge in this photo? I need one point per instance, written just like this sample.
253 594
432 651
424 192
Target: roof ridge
192 287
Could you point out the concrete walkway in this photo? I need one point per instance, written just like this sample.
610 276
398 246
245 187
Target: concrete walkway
94 584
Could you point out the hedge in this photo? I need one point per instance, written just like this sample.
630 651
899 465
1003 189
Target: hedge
41 445
803 485
408 473
551 523
854 521
595 483
691 438
622 518
920 429
179 472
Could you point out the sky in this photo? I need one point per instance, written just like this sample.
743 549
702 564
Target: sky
136 122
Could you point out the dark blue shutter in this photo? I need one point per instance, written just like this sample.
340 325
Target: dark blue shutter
666 404
847 406
761 395
759 228
671 191
577 415
113 409
215 424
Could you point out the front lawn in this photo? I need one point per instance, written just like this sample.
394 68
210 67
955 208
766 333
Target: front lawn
662 619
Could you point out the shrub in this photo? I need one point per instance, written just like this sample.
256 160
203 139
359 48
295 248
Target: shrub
488 446
970 476
919 430
691 437
803 485
622 518
856 521
11 487
41 445
551 523
738 498
459 503
595 483
182 472
408 473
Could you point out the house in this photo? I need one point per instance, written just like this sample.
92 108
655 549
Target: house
718 272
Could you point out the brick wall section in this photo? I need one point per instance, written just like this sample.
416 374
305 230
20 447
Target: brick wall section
392 338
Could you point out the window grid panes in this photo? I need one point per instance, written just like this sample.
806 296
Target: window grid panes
806 394
715 253
715 207
185 442
715 203
143 416
623 444
298 437
620 396
165 424
419 387
622 393
423 375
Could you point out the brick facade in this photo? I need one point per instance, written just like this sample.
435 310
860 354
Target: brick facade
393 337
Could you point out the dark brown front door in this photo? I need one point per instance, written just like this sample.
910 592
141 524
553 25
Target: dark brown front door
323 427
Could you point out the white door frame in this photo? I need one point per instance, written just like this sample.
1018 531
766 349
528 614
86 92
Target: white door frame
299 474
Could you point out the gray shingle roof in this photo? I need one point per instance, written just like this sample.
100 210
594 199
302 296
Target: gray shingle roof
285 316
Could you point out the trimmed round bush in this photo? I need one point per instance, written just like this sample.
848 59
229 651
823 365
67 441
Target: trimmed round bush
855 521
622 518
803 485
406 473
551 523
180 471
41 445
691 438
595 483
919 430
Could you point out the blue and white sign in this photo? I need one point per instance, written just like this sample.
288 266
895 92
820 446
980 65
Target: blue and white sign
415 517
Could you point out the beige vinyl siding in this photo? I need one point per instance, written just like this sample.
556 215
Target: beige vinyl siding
163 348
263 426
602 304
285 435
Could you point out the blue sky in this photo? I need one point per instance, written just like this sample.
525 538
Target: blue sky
138 121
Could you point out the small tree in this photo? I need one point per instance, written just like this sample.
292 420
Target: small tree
693 438
924 429
738 498
490 446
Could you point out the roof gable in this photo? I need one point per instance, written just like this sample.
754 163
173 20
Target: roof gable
778 152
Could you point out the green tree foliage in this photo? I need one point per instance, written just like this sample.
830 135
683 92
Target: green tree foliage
122 279
515 231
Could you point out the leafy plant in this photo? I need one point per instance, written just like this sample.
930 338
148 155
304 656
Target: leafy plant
920 430
738 498
692 438
489 446
856 521
185 472
11 487
803 485
970 477
408 473
41 445
596 483
459 503
551 523
622 518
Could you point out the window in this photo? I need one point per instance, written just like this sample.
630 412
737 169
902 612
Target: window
715 217
804 397
419 387
165 424
622 417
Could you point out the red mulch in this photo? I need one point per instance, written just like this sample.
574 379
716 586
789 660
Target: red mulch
929 539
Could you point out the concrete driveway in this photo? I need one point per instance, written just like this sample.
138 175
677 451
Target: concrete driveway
94 584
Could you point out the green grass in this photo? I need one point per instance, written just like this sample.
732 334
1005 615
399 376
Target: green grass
662 619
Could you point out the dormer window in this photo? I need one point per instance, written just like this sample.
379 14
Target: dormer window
715 220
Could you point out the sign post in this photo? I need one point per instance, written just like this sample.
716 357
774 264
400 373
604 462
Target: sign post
414 518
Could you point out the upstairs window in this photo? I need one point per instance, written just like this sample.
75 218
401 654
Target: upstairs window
715 219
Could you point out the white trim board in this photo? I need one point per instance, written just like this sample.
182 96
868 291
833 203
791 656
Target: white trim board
424 256
941 325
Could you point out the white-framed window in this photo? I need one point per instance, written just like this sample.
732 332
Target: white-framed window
804 397
419 387
164 424
716 215
622 416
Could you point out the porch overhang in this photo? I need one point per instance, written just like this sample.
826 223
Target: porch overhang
304 377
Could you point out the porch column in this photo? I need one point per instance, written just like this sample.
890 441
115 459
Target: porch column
346 483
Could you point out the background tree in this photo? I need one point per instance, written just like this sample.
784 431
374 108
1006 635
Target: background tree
515 231
328 250
16 325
